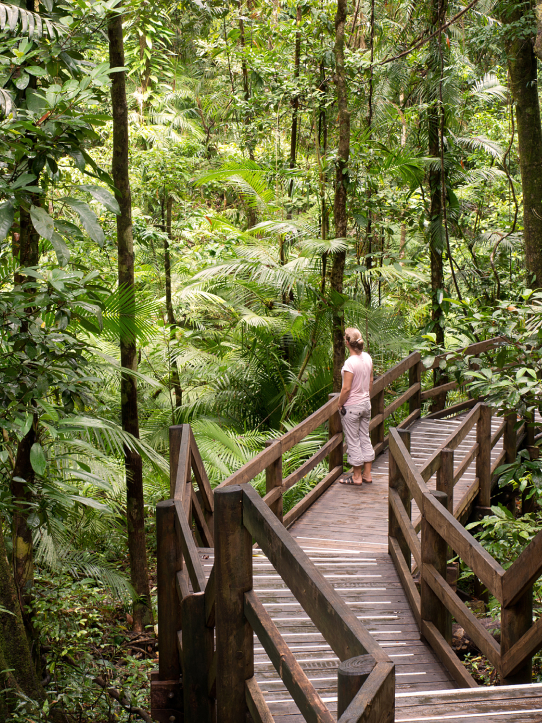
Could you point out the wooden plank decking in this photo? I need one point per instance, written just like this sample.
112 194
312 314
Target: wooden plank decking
345 534
506 704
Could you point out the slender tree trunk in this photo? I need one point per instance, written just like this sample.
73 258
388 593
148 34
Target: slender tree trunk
522 67
26 250
370 216
251 212
436 232
341 180
128 352
23 565
146 73
169 303
295 106
15 653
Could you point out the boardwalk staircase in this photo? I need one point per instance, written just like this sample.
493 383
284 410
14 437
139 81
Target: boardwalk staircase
316 615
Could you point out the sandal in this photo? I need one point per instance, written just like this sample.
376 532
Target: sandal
349 480
367 481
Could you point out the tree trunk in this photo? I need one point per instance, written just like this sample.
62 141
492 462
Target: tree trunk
15 653
26 251
341 180
128 352
522 68
436 234
251 212
295 107
23 565
169 303
436 230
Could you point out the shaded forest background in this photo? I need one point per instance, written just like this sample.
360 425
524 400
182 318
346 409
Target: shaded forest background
195 199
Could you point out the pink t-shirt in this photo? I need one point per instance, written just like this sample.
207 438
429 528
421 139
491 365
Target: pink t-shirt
361 366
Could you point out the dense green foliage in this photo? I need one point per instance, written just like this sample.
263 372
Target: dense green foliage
233 154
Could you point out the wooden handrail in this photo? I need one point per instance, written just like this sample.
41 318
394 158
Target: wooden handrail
524 572
473 349
257 705
466 462
186 543
406 525
465 545
452 442
395 372
326 608
520 639
311 463
485 642
290 671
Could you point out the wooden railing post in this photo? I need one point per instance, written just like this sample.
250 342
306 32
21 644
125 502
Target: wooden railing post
377 407
445 477
273 478
415 377
435 552
234 638
175 435
515 622
166 689
483 458
352 674
398 483
510 438
197 656
334 427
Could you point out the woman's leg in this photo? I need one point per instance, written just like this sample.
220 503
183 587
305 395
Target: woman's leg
366 448
351 424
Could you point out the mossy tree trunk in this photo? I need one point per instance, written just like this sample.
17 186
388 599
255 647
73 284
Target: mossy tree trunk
15 653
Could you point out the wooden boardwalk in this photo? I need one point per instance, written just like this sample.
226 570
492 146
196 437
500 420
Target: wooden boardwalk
345 534
207 607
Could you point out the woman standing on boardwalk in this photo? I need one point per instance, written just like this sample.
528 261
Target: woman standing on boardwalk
355 409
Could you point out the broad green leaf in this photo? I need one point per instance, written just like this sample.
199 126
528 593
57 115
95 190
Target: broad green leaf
7 212
36 70
23 180
38 459
88 219
103 196
61 250
43 223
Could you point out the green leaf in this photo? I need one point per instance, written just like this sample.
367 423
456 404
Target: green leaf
7 212
89 502
61 250
88 219
38 459
23 180
103 196
43 223
428 361
36 70
22 81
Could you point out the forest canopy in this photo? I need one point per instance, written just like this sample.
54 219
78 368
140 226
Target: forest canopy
196 197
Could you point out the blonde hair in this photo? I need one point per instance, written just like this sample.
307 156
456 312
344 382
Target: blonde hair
354 338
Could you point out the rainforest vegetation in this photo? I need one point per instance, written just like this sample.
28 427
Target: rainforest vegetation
195 198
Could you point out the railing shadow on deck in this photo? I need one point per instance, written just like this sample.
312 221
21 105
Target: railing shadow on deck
190 518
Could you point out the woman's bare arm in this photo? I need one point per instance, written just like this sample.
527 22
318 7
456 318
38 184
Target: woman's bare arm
346 388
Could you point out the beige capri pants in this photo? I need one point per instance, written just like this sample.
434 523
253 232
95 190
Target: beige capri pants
356 431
